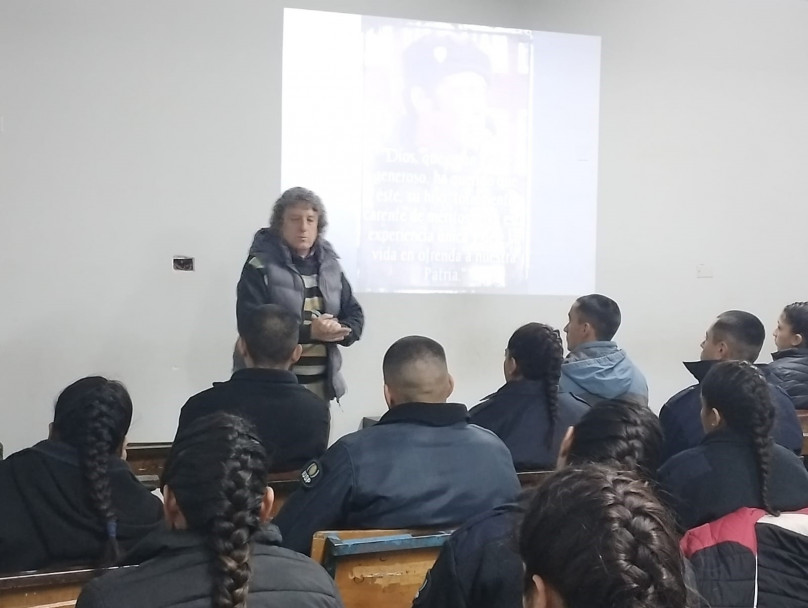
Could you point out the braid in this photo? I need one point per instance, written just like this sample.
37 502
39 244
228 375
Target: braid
609 525
539 352
620 433
218 470
94 452
93 415
232 532
741 394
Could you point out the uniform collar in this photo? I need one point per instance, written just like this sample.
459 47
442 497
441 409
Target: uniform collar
163 540
259 374
699 369
430 414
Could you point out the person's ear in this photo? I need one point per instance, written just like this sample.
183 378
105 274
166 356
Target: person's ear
723 351
536 596
712 419
510 368
122 449
797 341
266 505
296 354
171 510
564 450
241 347
450 385
388 397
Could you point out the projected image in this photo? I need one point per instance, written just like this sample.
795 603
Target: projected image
451 158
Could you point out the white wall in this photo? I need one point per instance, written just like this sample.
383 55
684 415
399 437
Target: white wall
135 131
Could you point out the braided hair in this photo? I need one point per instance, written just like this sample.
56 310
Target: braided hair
93 415
601 539
740 393
218 472
620 433
538 352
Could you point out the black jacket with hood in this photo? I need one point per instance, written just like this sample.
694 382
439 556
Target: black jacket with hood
46 518
270 276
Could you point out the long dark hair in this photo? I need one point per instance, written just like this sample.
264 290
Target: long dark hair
740 393
601 539
93 415
218 470
539 352
620 433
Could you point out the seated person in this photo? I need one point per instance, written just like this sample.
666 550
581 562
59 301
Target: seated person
593 536
423 465
737 463
735 335
789 368
528 413
479 566
595 369
72 499
293 422
218 547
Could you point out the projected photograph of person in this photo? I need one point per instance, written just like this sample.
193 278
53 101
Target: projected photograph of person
445 203
456 158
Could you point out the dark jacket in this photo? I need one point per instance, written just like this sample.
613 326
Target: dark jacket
748 558
518 414
422 465
721 475
681 420
596 371
176 572
270 276
46 518
789 371
479 566
292 422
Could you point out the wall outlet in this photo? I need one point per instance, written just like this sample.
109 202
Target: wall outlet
183 263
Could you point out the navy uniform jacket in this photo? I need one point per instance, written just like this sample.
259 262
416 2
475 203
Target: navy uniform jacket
681 421
479 566
720 476
517 413
422 465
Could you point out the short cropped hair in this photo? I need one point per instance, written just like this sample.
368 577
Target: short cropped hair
409 350
742 331
602 313
270 333
295 196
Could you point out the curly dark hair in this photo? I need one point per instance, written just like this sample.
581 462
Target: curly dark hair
538 352
93 415
620 433
294 196
601 539
740 393
218 472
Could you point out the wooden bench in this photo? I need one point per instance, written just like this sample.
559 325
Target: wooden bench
44 588
374 568
147 460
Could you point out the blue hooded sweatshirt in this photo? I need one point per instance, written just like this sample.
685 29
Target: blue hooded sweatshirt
596 371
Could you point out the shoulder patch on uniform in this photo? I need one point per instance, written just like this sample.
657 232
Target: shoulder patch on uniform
311 474
255 262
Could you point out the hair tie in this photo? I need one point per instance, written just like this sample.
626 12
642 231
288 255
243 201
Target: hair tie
112 529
